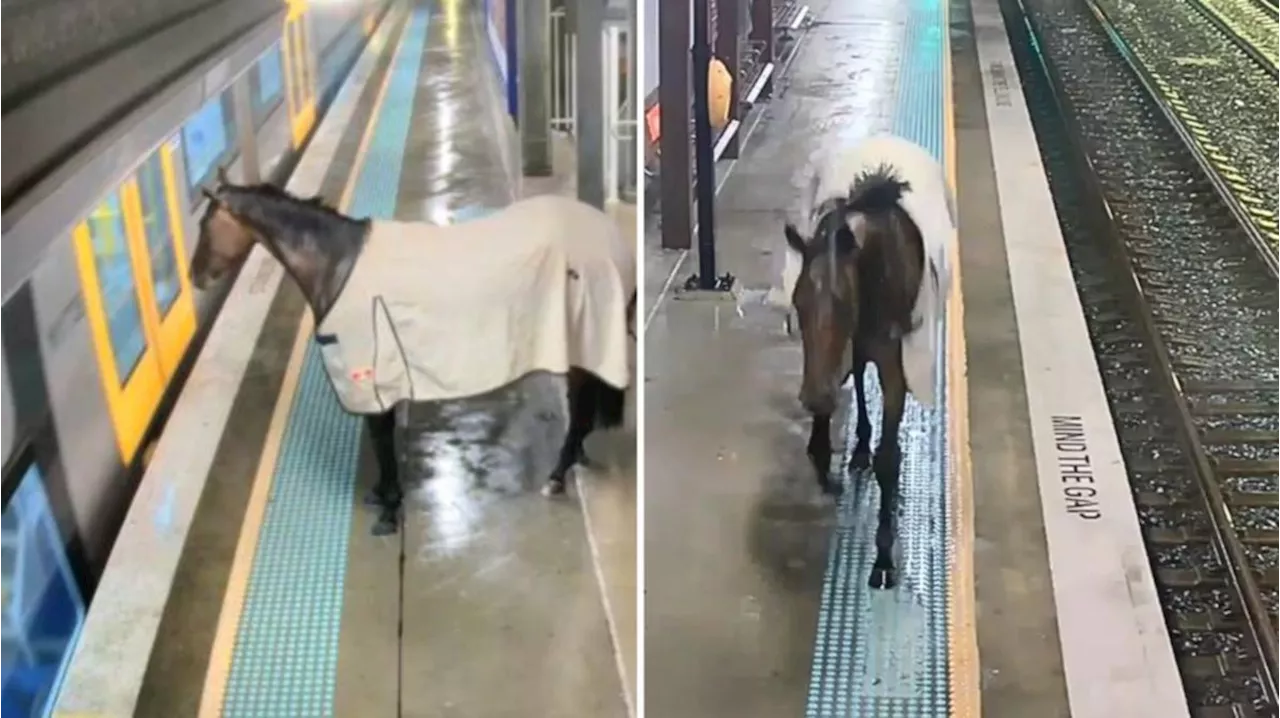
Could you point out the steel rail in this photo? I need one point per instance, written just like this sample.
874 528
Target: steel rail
1225 538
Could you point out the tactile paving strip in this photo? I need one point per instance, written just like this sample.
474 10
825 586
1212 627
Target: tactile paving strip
286 653
884 653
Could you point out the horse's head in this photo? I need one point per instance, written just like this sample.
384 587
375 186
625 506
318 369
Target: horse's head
225 238
825 297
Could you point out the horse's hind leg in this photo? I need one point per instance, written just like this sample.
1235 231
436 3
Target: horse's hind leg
887 464
581 420
862 450
386 495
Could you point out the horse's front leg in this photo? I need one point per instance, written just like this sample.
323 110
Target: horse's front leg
386 495
861 458
819 451
581 421
887 465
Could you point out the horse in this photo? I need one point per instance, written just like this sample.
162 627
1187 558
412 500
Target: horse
856 288
322 250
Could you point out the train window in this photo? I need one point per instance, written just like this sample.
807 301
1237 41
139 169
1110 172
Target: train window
159 234
43 609
267 79
112 260
207 138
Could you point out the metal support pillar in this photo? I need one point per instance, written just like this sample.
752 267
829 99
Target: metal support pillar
635 103
589 123
728 49
762 33
534 75
706 170
673 101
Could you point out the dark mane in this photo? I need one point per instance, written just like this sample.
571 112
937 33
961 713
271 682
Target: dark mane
276 212
877 190
279 197
884 255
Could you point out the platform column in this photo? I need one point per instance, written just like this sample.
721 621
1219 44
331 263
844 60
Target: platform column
534 106
673 101
589 81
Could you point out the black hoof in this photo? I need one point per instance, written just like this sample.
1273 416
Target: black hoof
553 487
882 578
387 524
861 459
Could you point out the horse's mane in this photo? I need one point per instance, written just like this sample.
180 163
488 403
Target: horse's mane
279 196
877 190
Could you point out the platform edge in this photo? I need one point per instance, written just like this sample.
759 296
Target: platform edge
964 671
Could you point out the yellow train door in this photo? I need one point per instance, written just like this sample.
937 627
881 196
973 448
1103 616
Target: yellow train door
138 302
299 71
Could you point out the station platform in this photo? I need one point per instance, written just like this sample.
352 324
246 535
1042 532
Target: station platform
246 580
1026 590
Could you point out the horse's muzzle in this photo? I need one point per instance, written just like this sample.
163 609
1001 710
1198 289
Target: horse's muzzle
819 402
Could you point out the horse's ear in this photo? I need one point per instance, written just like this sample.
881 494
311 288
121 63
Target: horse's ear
794 240
222 175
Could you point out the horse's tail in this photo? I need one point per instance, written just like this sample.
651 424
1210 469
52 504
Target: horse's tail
878 196
611 405
593 396
631 315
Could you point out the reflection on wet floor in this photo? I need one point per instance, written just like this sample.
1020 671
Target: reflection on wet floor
501 611
504 441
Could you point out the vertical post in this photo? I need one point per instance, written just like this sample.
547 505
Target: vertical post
706 171
728 37
246 132
762 33
534 86
589 122
631 161
673 103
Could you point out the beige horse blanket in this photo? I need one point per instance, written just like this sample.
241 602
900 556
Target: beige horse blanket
930 205
435 313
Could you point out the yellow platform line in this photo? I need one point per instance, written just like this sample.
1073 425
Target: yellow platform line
962 653
223 650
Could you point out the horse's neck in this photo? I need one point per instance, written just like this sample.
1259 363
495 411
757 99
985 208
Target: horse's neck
320 258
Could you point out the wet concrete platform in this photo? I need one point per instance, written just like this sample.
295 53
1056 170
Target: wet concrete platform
737 533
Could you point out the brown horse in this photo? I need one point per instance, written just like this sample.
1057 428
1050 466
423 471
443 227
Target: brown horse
856 290
318 247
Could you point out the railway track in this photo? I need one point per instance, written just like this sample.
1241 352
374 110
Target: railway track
1182 313
1247 24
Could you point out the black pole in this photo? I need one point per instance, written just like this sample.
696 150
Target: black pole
704 161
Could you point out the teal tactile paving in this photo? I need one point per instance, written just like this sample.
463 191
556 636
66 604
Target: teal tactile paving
286 653
884 653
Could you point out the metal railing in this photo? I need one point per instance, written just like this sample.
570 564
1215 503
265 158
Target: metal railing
619 91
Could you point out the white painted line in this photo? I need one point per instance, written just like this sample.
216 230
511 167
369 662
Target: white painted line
725 138
760 83
1115 647
800 16
106 672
